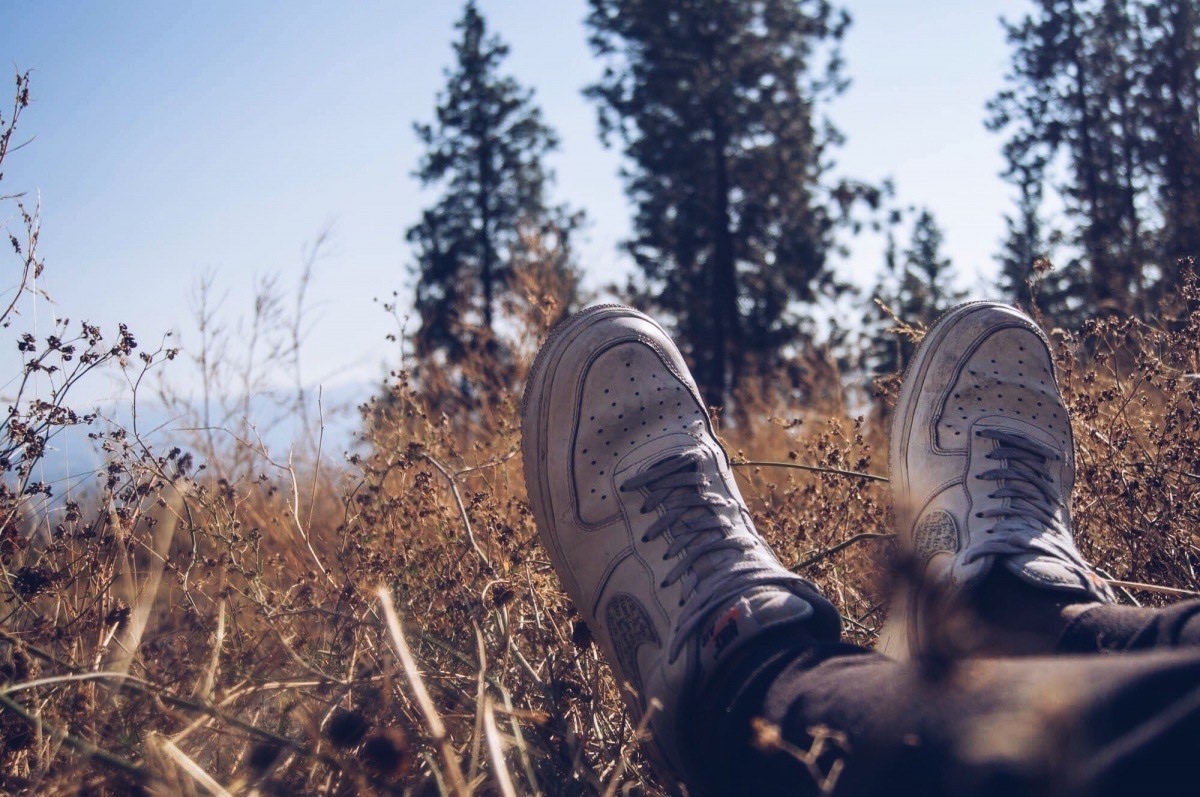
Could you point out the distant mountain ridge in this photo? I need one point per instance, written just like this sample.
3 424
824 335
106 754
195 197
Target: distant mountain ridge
73 457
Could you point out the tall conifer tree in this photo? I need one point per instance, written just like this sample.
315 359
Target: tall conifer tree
1102 100
918 285
1172 48
718 106
484 150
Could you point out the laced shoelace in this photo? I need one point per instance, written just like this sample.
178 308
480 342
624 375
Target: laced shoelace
691 511
1032 520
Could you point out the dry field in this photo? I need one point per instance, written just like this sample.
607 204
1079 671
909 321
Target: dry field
387 622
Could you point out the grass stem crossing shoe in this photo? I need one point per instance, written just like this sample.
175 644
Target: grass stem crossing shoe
637 506
982 466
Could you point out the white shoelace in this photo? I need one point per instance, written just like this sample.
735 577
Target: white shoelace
692 514
1032 522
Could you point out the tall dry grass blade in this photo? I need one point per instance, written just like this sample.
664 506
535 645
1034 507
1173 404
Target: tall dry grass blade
210 677
193 770
294 506
1179 593
450 764
142 599
480 702
495 745
521 745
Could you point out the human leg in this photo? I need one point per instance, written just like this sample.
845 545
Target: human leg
982 466
1112 628
637 506
692 610
826 719
982 463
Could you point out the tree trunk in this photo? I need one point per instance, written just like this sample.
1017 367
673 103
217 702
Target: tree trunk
486 250
1094 234
1134 256
1180 140
727 343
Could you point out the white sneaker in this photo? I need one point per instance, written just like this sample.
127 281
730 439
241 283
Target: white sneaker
638 509
982 466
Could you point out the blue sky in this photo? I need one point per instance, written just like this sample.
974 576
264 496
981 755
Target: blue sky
174 139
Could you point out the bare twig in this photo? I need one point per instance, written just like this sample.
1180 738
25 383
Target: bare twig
491 463
1181 593
810 468
462 509
857 538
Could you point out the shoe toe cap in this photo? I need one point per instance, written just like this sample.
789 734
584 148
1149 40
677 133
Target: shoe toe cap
629 395
1006 373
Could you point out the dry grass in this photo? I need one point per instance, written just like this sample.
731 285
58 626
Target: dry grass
388 622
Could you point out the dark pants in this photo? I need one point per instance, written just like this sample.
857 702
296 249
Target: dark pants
1117 712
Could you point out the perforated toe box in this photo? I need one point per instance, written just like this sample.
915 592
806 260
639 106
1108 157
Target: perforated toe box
1009 374
630 395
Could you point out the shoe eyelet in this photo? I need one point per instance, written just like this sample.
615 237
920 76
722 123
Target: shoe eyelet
645 538
665 557
662 585
979 514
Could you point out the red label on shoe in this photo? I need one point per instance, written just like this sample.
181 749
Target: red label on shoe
722 632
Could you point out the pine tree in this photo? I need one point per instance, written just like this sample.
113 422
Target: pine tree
881 352
1172 48
717 104
484 151
1102 99
1054 103
917 286
1025 244
1028 276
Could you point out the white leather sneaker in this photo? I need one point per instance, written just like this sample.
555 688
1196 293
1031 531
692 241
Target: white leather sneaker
982 466
638 509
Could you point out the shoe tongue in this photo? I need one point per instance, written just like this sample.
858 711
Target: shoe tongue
714 563
737 621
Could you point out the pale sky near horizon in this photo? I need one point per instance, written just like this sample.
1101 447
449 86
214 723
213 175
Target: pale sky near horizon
171 139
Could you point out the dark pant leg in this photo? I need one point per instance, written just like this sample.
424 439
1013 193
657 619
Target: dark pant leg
1123 628
1056 725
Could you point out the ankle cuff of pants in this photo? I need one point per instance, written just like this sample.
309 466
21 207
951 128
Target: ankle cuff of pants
721 738
1117 628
